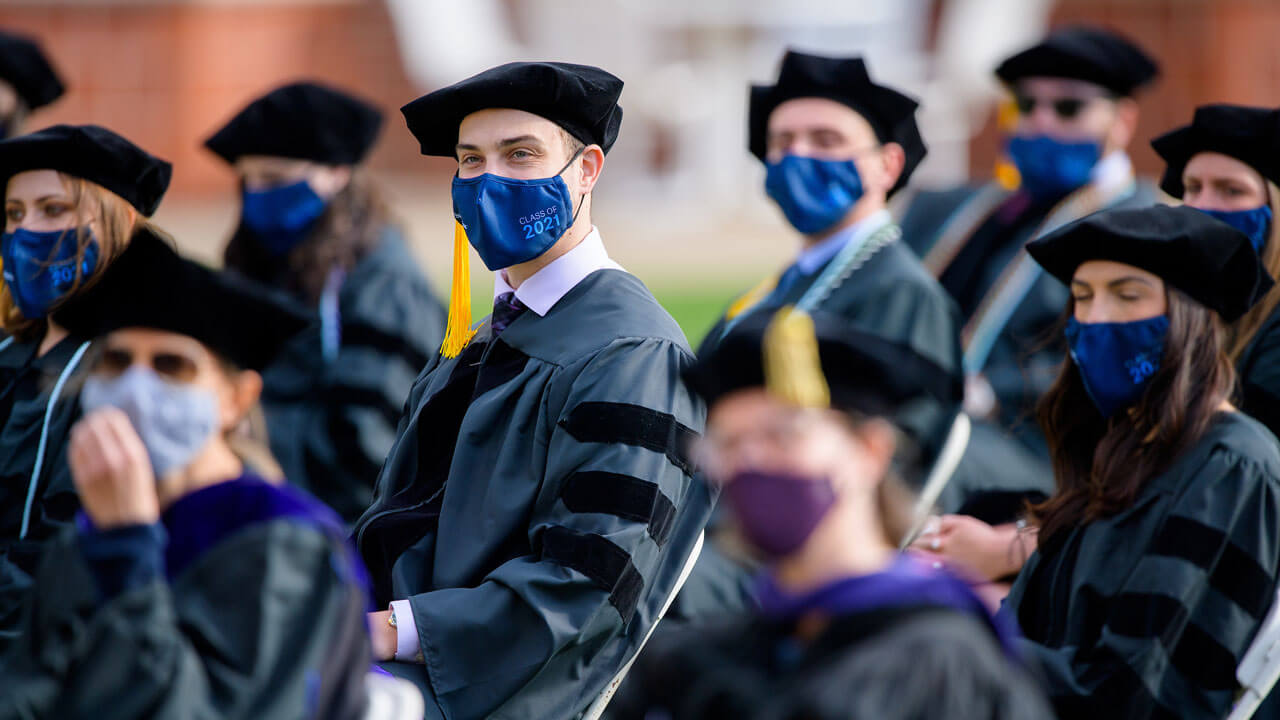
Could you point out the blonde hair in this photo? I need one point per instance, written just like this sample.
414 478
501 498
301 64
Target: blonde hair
115 222
1241 332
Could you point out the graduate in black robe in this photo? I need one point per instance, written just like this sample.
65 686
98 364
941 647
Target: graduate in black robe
315 225
1071 117
28 81
798 439
538 504
118 186
188 586
1227 163
1157 557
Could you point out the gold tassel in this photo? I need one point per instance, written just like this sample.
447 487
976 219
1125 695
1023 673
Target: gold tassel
792 367
458 332
1006 173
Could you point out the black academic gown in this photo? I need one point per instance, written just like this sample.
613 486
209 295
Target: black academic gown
1147 613
332 419
910 658
1259 371
538 504
1006 462
244 602
37 497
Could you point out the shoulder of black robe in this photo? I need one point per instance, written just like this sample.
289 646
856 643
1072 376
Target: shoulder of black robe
266 621
1165 597
1259 371
925 213
391 325
858 667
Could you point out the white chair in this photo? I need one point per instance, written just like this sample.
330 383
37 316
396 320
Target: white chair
939 475
597 707
1260 666
392 698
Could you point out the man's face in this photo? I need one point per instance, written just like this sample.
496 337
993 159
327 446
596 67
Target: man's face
828 130
510 143
1066 110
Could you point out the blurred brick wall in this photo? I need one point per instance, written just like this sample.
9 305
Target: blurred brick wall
167 75
1209 51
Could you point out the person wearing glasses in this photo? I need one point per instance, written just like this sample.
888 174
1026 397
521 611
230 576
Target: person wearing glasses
74 198
188 586
1225 162
1072 114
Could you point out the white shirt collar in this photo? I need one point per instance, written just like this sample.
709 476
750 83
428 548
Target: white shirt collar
815 256
1112 172
543 289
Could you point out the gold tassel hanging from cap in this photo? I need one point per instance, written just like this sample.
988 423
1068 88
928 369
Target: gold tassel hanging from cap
792 367
1006 173
458 332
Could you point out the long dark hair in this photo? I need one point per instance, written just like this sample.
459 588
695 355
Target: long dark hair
1101 466
347 231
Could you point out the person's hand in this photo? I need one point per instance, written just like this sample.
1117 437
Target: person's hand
112 471
382 636
971 544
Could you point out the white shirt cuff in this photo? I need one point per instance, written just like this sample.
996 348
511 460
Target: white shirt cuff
406 632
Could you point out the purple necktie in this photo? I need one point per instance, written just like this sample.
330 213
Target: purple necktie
506 308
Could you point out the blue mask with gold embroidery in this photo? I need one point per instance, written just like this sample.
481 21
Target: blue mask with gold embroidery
1117 360
40 267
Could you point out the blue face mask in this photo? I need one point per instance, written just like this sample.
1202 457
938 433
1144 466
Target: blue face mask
40 267
1052 168
281 217
1116 360
1255 223
814 194
510 221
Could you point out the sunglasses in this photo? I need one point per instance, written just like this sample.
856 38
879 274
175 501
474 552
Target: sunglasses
171 366
1066 108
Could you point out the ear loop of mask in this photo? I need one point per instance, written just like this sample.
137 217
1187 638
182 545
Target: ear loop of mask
583 199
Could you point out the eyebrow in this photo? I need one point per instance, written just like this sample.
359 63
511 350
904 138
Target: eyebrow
507 142
1117 282
42 198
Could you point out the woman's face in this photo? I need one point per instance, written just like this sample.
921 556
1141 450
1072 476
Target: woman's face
751 430
38 201
1214 181
261 172
1110 292
183 360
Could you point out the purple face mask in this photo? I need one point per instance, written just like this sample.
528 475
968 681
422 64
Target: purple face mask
776 511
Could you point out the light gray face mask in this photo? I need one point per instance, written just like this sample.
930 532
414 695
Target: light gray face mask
174 420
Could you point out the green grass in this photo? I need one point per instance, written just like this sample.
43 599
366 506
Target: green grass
697 308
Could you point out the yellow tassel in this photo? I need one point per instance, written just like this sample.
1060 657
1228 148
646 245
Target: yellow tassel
792 367
1006 173
458 332
753 296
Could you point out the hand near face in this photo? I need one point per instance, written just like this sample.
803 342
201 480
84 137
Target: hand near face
112 471
973 545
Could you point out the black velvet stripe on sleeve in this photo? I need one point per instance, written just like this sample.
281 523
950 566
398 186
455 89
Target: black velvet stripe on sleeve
365 335
1233 572
607 422
1198 657
621 495
606 564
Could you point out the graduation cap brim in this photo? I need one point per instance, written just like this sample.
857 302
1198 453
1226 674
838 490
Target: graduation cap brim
865 373
25 66
150 286
1208 260
581 99
1250 135
302 121
890 113
1092 55
92 153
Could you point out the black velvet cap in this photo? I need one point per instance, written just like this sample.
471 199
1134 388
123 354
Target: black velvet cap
864 373
1248 134
24 66
1082 53
151 286
303 121
579 98
92 153
1205 258
891 114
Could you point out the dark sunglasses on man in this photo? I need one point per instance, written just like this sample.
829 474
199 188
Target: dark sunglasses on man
1066 108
